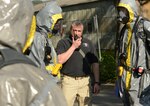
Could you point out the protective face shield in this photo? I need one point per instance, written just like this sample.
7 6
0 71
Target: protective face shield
123 15
131 8
57 27
47 17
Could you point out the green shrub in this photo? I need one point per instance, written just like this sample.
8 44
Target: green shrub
107 67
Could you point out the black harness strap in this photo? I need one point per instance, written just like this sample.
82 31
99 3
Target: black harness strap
10 56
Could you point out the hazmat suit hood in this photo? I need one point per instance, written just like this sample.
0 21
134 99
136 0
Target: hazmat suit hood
22 84
132 7
48 16
15 24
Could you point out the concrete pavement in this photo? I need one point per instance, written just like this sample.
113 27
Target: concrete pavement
106 97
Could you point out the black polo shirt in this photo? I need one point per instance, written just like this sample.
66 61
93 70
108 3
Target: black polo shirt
76 65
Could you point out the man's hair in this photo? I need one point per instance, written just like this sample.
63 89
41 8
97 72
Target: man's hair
76 23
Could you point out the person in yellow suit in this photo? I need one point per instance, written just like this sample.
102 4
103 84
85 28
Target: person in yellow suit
133 53
39 46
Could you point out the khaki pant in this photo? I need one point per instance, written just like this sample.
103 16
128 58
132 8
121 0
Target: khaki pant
76 88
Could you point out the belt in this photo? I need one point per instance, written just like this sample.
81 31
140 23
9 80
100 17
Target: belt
76 78
79 78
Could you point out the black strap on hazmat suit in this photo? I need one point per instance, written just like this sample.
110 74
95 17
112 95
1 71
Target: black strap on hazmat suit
10 56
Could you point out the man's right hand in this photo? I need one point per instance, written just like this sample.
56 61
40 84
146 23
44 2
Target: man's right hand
76 43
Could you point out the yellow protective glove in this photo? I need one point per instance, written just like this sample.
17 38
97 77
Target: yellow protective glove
55 69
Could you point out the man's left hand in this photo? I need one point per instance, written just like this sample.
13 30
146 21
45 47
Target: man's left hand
96 88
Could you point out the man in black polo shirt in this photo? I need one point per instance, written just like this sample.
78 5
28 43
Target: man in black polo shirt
77 55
